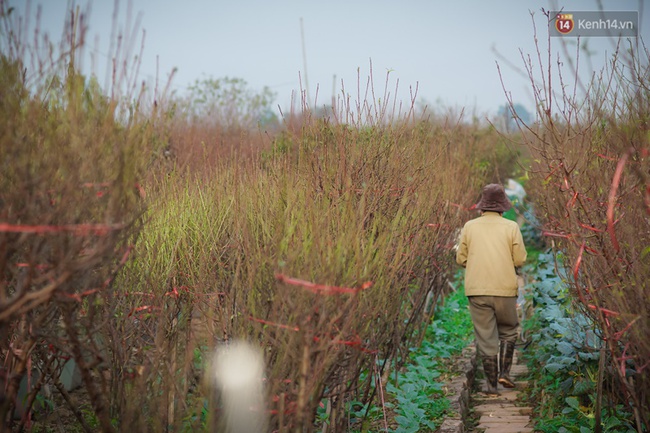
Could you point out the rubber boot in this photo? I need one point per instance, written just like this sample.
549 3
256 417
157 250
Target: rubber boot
506 351
490 369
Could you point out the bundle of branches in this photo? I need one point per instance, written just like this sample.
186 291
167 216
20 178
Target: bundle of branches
591 180
70 208
323 253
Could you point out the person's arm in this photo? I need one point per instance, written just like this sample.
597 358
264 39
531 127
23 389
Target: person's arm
461 252
518 249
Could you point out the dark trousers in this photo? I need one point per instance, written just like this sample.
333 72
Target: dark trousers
495 318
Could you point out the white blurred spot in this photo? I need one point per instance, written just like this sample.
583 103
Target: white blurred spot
238 370
514 190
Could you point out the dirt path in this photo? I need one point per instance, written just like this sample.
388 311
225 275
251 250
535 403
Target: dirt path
505 413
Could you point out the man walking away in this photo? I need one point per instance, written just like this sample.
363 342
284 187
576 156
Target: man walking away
490 248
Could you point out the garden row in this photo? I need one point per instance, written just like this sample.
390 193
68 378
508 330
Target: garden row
321 243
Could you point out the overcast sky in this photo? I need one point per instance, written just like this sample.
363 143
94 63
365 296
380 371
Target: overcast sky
448 49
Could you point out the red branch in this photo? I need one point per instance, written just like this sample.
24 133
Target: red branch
437 225
576 267
612 200
144 308
588 227
556 235
605 311
553 171
77 229
321 288
606 157
576 271
78 296
617 336
279 325
30 265
355 342
472 207
572 201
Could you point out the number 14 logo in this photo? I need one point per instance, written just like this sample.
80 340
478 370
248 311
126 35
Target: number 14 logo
564 23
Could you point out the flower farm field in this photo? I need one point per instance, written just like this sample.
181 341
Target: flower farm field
140 234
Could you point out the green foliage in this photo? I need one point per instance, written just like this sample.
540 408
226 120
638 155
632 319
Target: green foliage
281 146
531 231
563 336
576 418
420 401
452 328
564 361
230 102
196 419
365 413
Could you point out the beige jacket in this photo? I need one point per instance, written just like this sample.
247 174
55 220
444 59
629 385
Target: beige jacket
490 247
